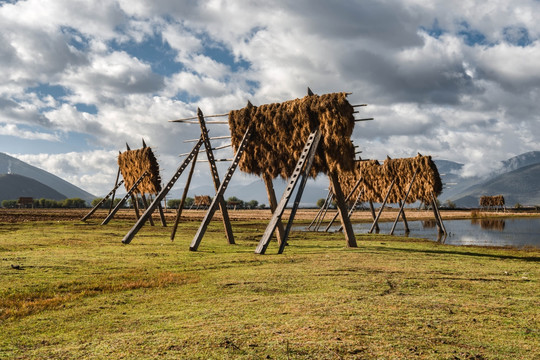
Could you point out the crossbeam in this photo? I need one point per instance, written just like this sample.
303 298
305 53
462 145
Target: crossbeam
102 201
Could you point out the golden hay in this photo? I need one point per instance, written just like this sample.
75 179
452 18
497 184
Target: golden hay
281 131
202 200
376 179
133 163
489 201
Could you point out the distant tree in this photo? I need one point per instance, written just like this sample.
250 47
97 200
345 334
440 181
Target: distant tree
173 203
189 202
235 202
252 204
262 206
518 206
10 204
74 203
320 202
106 204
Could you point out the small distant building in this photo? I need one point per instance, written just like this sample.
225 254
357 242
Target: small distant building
25 202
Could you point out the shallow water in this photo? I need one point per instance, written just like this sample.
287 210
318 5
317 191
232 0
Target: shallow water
515 232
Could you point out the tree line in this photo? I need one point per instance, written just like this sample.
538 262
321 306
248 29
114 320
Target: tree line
232 201
48 203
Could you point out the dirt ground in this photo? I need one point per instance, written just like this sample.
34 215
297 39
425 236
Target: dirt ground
303 215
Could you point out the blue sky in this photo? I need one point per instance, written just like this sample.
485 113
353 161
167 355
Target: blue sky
458 80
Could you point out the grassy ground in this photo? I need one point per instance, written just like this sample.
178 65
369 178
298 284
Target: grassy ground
72 290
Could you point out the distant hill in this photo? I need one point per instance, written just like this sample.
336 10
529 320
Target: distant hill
13 186
11 165
518 186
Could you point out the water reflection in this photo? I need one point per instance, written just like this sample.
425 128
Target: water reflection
516 232
490 224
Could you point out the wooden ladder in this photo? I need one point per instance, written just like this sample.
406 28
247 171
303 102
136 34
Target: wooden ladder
306 158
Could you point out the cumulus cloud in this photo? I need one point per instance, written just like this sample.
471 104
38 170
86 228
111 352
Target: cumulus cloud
459 82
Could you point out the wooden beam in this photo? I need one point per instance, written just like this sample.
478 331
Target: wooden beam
114 190
145 203
215 177
321 210
219 193
164 191
276 217
372 209
124 199
300 191
402 204
102 201
342 208
273 205
375 222
184 194
356 185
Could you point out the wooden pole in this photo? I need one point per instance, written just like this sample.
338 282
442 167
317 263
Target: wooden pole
321 209
402 204
215 177
276 216
273 205
184 195
405 223
219 193
124 199
326 207
382 206
135 201
114 190
346 199
102 201
437 214
342 208
145 203
300 191
164 191
377 229
352 208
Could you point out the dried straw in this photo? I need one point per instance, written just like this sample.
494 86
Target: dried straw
202 200
281 131
133 163
376 179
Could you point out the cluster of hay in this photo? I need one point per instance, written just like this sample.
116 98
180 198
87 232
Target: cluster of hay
376 179
133 163
202 200
492 201
281 131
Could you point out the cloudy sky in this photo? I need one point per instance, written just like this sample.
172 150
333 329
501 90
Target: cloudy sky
459 80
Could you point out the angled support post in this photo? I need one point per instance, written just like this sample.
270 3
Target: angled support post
114 190
301 187
215 177
321 209
102 201
273 205
164 191
356 185
352 208
124 199
276 216
145 203
375 222
438 218
327 206
342 209
372 209
184 195
220 191
402 205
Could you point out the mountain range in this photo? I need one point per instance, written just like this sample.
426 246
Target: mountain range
12 166
516 179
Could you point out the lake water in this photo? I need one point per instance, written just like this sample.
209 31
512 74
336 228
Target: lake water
516 232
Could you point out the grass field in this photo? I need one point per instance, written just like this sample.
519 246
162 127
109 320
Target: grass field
71 290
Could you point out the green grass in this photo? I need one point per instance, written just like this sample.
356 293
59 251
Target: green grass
81 294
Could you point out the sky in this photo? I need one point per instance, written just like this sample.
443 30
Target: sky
458 80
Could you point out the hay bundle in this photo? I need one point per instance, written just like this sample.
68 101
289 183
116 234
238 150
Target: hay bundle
492 201
202 200
281 130
376 179
133 163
